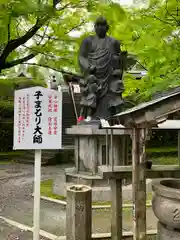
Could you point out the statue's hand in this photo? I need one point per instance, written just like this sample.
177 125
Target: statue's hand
92 69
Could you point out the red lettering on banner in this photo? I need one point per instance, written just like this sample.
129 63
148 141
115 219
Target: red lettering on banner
19 119
55 103
50 125
49 103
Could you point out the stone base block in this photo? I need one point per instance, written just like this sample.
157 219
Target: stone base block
101 191
165 233
85 178
100 188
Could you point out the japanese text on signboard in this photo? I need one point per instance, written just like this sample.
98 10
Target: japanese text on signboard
52 108
38 135
23 116
37 119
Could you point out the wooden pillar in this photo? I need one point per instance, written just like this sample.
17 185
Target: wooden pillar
179 147
116 209
139 183
107 147
122 150
117 150
112 150
77 154
79 213
124 154
127 149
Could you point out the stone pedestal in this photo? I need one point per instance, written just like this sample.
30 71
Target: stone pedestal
90 152
79 213
165 233
166 207
90 147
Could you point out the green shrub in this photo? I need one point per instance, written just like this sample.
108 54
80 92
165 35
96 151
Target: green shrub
63 156
6 136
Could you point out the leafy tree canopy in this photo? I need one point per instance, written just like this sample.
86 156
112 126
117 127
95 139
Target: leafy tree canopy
41 29
153 35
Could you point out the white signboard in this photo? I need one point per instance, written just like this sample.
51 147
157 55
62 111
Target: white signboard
37 119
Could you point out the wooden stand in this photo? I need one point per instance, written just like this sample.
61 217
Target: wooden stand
116 209
179 147
138 173
79 213
136 119
139 183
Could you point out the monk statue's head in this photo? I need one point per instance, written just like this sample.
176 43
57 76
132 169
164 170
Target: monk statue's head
101 27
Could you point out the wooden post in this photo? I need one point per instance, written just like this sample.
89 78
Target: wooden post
127 157
112 151
123 150
179 147
139 183
37 195
123 154
127 150
107 147
77 154
116 209
79 213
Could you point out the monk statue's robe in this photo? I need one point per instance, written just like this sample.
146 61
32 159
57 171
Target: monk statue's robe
105 55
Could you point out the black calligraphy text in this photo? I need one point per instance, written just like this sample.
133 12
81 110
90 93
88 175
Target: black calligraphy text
38 134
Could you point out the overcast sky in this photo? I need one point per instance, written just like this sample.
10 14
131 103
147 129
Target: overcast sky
126 2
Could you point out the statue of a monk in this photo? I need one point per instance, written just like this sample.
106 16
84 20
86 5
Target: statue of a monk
100 60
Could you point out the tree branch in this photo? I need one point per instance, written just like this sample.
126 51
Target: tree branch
154 16
173 70
142 65
44 33
46 54
55 69
20 40
162 20
56 38
9 29
19 61
15 43
75 27
63 7
170 14
48 37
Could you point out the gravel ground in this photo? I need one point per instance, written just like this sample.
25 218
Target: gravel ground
8 232
16 203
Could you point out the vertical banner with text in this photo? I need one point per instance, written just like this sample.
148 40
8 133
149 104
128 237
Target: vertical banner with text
37 119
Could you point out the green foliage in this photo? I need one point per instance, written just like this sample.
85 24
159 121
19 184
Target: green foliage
9 157
7 86
165 160
47 190
152 34
6 136
51 41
